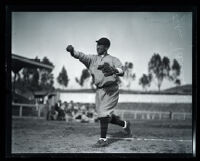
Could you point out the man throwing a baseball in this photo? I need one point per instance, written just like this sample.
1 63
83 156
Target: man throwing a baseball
105 70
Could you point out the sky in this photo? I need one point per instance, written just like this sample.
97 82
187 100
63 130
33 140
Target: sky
134 36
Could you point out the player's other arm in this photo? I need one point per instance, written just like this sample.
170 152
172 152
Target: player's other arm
119 71
118 67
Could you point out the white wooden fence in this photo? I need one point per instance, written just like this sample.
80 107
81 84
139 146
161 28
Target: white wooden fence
124 114
38 108
151 115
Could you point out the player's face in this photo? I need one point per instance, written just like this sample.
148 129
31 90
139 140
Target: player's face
101 49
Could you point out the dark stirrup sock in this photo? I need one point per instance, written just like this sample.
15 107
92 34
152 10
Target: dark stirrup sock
116 120
104 126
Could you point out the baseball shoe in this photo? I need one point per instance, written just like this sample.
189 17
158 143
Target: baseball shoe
128 129
100 143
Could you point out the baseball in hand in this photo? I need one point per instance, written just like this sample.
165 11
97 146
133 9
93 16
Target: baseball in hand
70 48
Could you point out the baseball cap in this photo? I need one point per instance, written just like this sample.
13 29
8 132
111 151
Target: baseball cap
103 41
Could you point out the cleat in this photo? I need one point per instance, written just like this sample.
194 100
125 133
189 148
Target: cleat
100 143
128 129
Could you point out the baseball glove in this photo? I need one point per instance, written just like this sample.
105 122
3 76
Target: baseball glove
107 69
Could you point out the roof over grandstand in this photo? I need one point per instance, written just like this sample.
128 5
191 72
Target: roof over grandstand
44 93
19 62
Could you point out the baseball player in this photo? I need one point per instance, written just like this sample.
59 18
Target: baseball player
105 70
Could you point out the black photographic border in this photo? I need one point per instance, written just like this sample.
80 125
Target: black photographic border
120 6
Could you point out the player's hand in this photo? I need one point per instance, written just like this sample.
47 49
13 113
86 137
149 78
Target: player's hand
70 49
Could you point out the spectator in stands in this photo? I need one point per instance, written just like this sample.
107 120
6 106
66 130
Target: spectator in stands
76 107
57 105
61 114
82 115
54 113
77 113
46 108
51 114
69 111
60 109
91 113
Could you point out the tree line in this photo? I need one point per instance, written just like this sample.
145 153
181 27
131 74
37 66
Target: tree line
35 79
159 69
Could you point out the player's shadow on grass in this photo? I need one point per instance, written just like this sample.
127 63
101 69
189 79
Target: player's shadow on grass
117 136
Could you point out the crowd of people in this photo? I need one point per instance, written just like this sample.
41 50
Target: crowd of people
71 111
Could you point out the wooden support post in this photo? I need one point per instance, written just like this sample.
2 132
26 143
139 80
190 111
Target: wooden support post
172 116
134 116
142 116
36 104
20 111
148 117
153 116
160 115
14 82
38 107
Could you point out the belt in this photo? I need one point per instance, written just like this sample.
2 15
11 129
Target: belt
108 85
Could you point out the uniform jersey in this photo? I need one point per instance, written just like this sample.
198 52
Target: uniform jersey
93 61
106 98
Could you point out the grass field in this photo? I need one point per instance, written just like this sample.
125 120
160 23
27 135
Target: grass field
152 136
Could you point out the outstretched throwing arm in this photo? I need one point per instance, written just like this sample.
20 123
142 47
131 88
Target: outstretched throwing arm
85 59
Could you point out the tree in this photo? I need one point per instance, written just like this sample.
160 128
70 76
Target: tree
30 79
35 79
176 70
177 82
159 68
129 76
37 59
84 75
46 61
62 78
46 75
47 81
145 81
34 82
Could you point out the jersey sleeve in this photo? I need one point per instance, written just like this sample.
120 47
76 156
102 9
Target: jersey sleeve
117 63
85 59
